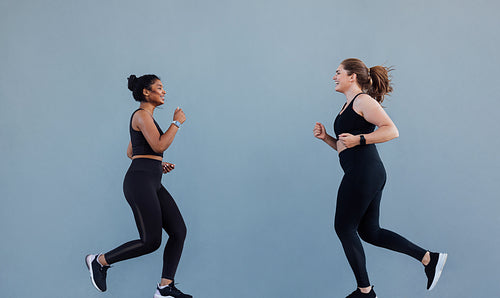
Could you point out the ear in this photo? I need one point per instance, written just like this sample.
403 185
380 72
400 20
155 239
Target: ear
354 77
145 92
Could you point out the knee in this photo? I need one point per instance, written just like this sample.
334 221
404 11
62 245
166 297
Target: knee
183 232
152 244
368 235
178 233
343 230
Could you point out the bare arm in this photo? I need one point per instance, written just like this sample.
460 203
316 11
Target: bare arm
331 141
320 133
373 112
159 143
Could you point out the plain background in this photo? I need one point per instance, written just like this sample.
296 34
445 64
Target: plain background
256 189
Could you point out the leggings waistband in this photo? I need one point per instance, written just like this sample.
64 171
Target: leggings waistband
359 156
146 164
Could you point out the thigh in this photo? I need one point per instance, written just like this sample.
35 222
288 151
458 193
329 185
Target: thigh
370 220
140 192
352 202
172 220
371 216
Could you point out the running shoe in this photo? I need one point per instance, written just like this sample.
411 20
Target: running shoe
97 272
359 294
170 291
434 268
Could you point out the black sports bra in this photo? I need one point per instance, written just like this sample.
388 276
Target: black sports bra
351 122
140 145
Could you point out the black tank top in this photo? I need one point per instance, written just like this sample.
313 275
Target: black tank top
351 122
140 145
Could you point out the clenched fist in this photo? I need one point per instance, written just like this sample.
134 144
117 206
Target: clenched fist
319 131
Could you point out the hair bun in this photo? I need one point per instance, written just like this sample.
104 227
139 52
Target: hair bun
132 80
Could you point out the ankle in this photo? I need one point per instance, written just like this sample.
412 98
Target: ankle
366 290
426 259
101 260
165 282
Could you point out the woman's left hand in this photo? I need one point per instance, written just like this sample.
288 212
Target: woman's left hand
349 140
167 167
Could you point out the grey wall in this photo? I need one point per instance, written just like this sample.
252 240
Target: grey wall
256 189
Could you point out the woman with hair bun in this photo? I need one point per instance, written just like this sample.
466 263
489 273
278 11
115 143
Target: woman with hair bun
360 192
152 205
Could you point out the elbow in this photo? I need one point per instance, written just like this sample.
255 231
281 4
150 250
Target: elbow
395 133
391 132
161 145
158 150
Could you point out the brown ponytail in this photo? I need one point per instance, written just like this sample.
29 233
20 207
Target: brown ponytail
375 81
381 82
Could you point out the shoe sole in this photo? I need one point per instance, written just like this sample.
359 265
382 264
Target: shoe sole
88 262
160 296
439 269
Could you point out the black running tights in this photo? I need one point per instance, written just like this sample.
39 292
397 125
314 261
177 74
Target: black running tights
358 210
154 209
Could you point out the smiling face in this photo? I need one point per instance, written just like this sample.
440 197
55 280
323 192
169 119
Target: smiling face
343 81
155 94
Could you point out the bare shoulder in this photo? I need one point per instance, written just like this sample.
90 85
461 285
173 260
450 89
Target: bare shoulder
140 118
365 99
365 102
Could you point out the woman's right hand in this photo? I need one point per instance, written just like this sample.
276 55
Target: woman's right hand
319 131
179 115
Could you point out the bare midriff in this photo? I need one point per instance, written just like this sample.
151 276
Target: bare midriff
156 157
340 147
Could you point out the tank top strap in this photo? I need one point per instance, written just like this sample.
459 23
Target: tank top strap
345 108
356 96
132 117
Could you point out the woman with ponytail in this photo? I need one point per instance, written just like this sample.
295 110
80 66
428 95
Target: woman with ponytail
152 205
360 192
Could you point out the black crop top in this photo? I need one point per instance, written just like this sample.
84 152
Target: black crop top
351 122
140 145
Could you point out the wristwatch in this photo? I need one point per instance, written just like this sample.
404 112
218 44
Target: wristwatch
176 123
362 140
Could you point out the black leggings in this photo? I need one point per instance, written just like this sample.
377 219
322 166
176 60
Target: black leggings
154 209
358 210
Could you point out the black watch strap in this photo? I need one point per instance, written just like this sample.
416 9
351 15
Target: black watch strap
362 140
